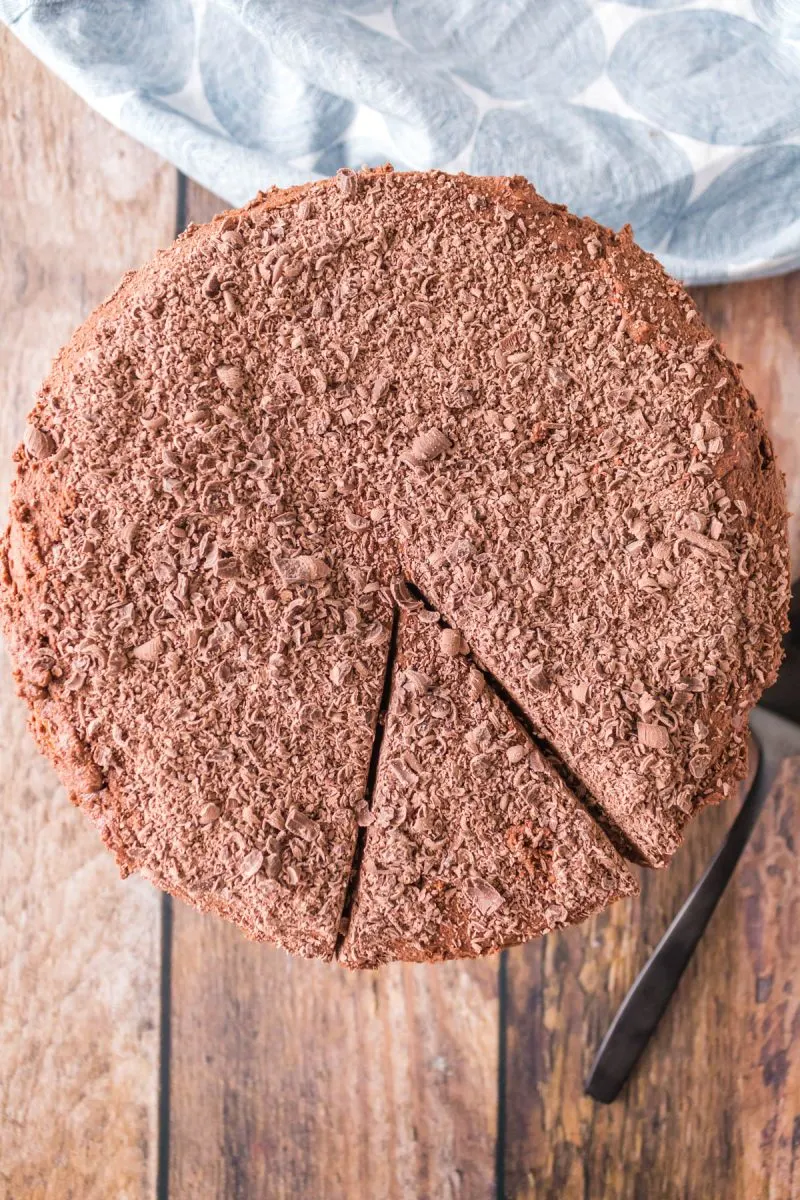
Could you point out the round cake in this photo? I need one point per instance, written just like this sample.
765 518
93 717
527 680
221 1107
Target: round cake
389 561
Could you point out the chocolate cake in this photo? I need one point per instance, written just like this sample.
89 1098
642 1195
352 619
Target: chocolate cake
307 424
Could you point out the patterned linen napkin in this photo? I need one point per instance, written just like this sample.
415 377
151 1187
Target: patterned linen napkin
680 117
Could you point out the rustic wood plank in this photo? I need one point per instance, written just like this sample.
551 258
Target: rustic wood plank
714 1107
758 324
294 1079
79 951
715 1103
299 1079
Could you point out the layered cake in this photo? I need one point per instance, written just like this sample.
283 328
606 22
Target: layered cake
391 559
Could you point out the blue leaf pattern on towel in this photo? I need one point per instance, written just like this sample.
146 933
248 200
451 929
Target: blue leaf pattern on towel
654 3
489 45
259 100
359 7
428 117
680 117
781 17
709 75
748 209
121 44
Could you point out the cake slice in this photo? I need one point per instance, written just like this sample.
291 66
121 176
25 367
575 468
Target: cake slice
473 842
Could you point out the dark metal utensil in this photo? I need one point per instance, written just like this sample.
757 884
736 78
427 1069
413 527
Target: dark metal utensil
776 737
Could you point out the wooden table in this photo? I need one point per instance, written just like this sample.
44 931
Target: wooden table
146 1051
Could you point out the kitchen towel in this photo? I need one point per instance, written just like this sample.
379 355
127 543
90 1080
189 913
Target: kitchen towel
680 117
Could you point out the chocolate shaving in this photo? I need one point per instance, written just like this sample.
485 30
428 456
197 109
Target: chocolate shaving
234 467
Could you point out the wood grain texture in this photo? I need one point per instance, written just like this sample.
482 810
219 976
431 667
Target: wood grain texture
294 1079
713 1109
758 323
79 951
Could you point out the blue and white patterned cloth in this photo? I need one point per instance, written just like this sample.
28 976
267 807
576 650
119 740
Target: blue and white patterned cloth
679 116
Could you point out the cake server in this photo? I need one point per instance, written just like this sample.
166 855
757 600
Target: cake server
775 730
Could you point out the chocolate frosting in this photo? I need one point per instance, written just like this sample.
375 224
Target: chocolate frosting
473 842
244 459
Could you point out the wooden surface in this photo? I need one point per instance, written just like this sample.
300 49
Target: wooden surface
714 1109
79 951
148 1052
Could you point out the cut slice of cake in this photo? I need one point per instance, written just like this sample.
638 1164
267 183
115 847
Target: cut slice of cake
473 842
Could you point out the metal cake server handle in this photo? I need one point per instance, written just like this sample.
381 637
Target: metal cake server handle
647 1000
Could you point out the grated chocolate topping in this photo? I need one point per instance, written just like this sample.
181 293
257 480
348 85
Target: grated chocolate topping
474 842
240 459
